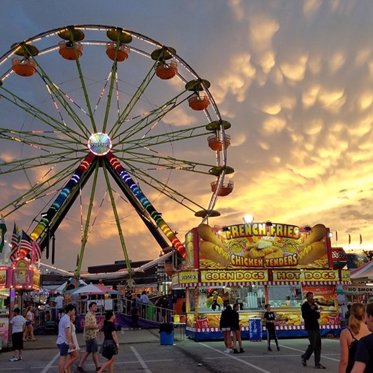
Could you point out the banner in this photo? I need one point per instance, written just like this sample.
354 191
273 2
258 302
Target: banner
234 276
260 245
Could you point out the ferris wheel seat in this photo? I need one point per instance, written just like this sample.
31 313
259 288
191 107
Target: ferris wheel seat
70 51
217 144
224 190
199 102
23 67
166 70
121 52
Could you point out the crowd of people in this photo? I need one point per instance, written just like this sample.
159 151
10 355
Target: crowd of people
356 340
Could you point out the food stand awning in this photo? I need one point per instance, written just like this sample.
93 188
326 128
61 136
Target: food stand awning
365 271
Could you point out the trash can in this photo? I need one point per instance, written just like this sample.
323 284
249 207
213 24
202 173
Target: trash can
255 329
166 334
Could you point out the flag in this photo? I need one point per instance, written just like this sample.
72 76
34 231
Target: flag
14 243
349 239
336 235
36 252
361 239
3 231
25 245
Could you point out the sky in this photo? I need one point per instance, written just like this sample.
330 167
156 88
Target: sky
294 78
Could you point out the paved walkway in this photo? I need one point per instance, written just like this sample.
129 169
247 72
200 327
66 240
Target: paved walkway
44 342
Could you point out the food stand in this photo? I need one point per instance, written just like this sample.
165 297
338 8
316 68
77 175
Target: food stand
19 273
254 264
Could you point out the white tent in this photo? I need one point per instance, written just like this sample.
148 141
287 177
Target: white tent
63 286
92 289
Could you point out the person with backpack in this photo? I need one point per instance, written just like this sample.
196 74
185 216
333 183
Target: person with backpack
350 337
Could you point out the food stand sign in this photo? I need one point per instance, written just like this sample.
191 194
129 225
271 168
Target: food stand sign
22 274
259 245
234 276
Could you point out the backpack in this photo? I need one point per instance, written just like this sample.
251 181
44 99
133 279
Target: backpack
351 352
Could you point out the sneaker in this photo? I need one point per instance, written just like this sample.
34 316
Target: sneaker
235 351
242 350
228 351
304 361
319 366
15 359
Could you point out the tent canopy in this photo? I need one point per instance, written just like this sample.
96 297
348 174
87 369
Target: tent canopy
71 283
93 289
363 272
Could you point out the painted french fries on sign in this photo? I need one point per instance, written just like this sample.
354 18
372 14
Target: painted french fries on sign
259 245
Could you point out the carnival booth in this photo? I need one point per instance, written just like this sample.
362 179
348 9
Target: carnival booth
20 275
255 264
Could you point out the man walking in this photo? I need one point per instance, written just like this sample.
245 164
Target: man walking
311 315
90 335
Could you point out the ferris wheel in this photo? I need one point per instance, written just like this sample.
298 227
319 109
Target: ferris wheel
89 104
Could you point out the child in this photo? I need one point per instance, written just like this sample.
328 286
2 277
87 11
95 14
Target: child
270 319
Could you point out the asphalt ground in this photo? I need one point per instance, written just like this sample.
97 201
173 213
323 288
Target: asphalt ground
141 351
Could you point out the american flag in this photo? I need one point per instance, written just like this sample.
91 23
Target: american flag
36 252
25 245
15 243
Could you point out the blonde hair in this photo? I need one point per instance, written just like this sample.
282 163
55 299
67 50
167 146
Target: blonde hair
357 313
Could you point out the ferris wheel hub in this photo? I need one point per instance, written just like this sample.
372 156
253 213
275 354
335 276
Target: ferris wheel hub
99 143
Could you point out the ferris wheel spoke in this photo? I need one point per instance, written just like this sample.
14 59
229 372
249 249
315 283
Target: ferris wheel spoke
113 80
39 114
86 95
164 138
166 163
166 190
36 161
37 191
32 139
133 101
117 220
150 119
64 100
57 94
84 238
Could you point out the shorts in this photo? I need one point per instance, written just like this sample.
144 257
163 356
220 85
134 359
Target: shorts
225 329
64 349
91 345
28 322
17 341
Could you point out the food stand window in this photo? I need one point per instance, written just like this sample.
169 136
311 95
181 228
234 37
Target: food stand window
251 297
285 295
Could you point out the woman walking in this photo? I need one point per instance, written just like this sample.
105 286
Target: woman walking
236 330
350 336
111 342
74 350
226 322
